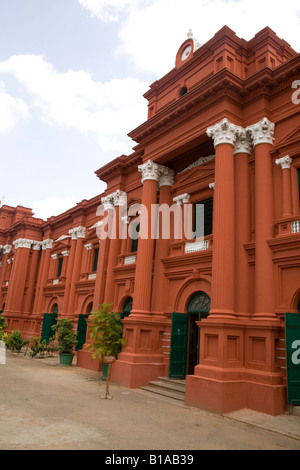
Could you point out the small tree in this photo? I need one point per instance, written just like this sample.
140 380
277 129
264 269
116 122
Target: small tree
3 325
105 331
15 341
65 334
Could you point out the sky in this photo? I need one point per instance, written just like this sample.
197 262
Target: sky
72 78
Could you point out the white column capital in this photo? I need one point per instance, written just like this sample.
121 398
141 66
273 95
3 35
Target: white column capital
224 132
166 177
149 170
88 246
284 162
262 132
6 249
182 199
47 244
118 198
243 143
65 253
22 243
36 246
77 232
211 185
160 173
54 256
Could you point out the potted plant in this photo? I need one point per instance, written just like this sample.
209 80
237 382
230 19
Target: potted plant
105 331
66 340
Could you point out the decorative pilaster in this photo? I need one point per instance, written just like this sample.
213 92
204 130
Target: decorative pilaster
285 164
262 136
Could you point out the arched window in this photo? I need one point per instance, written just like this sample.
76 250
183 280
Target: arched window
55 308
183 91
199 303
127 307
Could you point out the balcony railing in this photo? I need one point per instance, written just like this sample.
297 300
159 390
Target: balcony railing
296 226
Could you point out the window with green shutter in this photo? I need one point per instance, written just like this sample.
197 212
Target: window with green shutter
207 225
95 260
60 264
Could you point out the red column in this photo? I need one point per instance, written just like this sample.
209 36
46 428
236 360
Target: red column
145 253
32 277
224 135
162 248
16 287
262 135
79 234
118 200
285 163
43 275
242 150
5 250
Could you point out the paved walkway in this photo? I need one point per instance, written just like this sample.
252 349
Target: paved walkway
47 406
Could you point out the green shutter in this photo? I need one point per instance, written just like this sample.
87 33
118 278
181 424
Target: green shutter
178 351
81 331
49 320
95 262
292 339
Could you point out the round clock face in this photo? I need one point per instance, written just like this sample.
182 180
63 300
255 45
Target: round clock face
186 52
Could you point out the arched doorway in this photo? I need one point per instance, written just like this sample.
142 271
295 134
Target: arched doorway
127 307
184 349
197 309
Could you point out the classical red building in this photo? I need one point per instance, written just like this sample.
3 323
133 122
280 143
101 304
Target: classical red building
223 133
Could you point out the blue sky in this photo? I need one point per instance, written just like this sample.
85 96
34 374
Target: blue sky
72 76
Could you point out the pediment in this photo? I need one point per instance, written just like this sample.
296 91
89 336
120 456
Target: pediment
200 168
291 140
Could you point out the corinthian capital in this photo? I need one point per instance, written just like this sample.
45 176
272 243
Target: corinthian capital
243 142
6 249
22 243
262 132
166 177
150 171
77 232
224 132
159 173
284 162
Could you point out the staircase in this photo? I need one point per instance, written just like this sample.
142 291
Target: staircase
171 388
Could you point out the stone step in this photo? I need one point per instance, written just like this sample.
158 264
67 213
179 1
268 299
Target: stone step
171 388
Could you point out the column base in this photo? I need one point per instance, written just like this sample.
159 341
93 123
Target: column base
84 360
135 370
241 389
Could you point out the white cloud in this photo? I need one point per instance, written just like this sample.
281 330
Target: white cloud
74 99
106 10
11 110
52 206
152 31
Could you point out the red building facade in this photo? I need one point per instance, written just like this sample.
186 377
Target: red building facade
223 134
